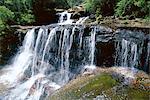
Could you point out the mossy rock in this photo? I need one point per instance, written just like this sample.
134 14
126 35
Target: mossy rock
100 85
124 92
87 87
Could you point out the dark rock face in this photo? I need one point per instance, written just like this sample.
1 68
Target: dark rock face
76 15
9 44
132 49
105 53
120 48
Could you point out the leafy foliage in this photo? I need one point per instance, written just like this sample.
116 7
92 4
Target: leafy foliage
72 3
136 8
5 13
18 5
2 25
6 16
92 5
105 7
26 18
22 10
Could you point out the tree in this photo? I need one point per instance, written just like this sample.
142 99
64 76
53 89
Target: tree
105 7
6 16
136 8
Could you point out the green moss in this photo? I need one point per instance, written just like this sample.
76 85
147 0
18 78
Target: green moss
137 94
127 93
89 89
96 86
91 86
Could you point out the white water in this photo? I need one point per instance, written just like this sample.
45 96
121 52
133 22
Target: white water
42 64
92 44
21 61
35 60
125 50
128 56
82 20
65 18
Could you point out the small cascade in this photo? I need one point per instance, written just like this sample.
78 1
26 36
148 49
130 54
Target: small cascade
65 48
129 48
65 18
92 45
21 62
127 54
92 42
82 20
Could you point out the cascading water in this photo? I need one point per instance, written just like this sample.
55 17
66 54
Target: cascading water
92 46
82 20
65 18
128 56
21 62
129 48
45 62
92 49
53 55
127 52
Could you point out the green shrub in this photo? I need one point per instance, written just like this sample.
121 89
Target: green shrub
22 10
72 3
2 25
26 18
136 8
92 5
6 16
105 7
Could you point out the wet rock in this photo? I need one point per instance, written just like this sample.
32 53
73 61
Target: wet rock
92 16
59 10
76 15
9 44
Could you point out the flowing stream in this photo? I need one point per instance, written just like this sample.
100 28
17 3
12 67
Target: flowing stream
52 55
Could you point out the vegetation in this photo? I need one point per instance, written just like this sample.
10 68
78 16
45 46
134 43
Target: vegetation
89 87
27 12
22 10
85 87
105 7
15 12
72 3
6 16
136 8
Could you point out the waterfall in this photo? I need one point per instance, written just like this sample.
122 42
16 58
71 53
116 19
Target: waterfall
92 42
92 46
21 62
65 18
47 60
53 55
127 54
82 20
